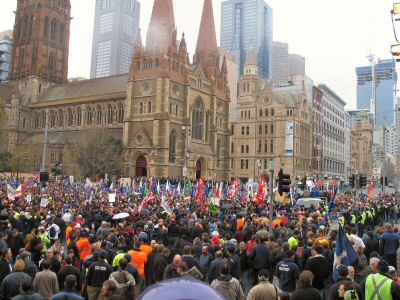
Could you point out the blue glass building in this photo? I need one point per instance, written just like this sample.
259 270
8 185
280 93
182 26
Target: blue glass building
386 77
248 24
5 54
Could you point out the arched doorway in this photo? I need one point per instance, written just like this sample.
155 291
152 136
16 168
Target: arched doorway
198 169
141 166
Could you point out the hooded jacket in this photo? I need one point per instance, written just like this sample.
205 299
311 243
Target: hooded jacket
229 287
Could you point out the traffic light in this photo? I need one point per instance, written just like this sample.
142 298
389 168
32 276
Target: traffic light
352 180
283 182
386 183
304 183
363 181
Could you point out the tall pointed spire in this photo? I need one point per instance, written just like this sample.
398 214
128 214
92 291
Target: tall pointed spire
138 43
162 24
207 40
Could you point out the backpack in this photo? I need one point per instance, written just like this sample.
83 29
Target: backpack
53 231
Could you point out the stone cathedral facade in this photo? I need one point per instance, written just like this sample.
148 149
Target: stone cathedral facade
171 113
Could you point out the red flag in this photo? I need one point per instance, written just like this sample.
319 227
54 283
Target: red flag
218 192
150 197
202 205
370 189
200 186
262 185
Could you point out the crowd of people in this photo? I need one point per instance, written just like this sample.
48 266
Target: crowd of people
64 240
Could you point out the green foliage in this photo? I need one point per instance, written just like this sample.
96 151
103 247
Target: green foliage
5 161
100 154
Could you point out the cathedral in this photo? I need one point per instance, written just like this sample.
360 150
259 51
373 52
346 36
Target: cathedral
171 113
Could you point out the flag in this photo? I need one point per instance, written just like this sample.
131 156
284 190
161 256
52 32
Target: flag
10 192
212 209
262 185
200 186
344 253
165 206
167 188
202 205
178 190
370 189
233 188
18 192
331 204
146 201
291 197
218 191
112 186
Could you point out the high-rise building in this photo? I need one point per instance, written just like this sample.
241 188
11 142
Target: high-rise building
391 140
318 129
297 65
280 63
247 24
334 133
386 77
5 53
116 24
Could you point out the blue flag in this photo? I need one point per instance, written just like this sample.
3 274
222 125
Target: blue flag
331 204
344 253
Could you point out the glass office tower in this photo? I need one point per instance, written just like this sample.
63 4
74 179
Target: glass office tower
386 77
248 24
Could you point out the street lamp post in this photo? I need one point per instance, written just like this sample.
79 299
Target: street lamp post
271 193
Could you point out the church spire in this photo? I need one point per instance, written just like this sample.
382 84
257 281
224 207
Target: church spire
138 43
162 24
207 40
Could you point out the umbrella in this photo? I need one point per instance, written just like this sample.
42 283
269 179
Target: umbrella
121 216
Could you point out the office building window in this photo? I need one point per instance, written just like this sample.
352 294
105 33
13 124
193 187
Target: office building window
106 4
103 59
106 23
128 23
126 57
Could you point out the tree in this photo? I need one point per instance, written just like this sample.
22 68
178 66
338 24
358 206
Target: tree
5 161
100 154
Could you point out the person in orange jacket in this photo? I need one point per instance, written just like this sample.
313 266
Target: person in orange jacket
139 259
84 246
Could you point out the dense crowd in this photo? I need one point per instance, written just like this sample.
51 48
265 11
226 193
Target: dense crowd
66 240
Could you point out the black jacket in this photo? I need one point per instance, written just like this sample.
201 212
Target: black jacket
334 294
69 270
170 272
160 263
4 269
259 258
11 284
319 266
287 272
215 269
98 273
306 293
234 264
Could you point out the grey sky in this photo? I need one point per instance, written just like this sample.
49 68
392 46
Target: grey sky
334 36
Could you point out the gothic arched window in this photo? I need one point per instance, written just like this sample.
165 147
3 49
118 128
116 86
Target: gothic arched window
121 113
46 27
198 119
60 118
79 116
52 119
141 108
149 107
110 114
218 152
25 27
30 26
69 117
52 62
89 116
99 115
62 34
172 147
53 30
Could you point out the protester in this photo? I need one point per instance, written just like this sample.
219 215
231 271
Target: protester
27 293
67 270
227 285
124 281
70 292
46 282
305 290
98 273
264 289
10 286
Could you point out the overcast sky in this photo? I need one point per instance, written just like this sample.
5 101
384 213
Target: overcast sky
334 36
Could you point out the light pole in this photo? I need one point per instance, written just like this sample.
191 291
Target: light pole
186 152
271 193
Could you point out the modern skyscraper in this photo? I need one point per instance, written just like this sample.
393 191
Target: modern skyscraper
247 24
386 78
5 53
297 65
280 63
116 24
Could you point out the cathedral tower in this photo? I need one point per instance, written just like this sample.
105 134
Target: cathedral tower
40 41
